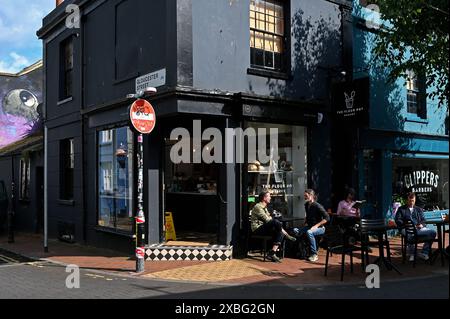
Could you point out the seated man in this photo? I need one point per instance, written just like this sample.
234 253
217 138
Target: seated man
316 217
415 214
263 224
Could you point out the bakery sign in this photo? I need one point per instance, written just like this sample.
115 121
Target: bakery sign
351 101
421 181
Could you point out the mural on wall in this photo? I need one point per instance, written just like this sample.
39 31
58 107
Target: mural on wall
20 96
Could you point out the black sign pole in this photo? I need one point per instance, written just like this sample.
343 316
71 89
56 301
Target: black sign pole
140 218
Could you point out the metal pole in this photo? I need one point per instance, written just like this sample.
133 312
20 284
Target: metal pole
45 189
140 218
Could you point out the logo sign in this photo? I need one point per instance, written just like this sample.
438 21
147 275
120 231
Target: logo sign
153 79
140 252
422 181
351 101
142 116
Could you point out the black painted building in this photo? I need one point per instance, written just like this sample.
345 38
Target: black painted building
230 64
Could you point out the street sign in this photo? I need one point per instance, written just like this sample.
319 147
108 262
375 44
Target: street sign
142 116
154 79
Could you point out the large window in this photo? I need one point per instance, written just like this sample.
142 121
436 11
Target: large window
66 69
67 162
25 178
427 177
115 179
267 29
415 95
285 176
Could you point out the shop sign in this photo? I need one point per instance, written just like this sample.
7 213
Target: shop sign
351 101
421 181
154 79
142 116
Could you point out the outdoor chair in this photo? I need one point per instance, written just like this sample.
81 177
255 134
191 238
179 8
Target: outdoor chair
409 236
368 227
336 242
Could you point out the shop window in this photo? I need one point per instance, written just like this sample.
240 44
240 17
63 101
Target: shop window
284 177
427 177
66 69
25 179
115 179
416 103
67 158
267 33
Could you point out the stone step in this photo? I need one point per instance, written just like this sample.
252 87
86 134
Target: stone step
164 252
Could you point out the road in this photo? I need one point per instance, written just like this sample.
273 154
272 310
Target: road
43 280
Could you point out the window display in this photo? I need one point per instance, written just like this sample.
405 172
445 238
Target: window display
285 176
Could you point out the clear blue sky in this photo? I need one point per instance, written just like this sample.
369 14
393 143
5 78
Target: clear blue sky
19 21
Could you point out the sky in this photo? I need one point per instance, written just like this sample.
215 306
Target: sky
19 21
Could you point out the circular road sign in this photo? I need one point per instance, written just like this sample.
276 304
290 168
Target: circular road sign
142 116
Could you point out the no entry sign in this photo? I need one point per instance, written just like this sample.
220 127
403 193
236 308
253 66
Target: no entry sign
142 116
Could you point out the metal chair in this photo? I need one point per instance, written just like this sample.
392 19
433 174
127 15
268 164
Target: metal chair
336 242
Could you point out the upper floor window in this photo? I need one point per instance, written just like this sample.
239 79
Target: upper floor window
267 30
66 69
67 157
415 94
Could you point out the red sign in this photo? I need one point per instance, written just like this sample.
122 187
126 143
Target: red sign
140 252
140 220
143 116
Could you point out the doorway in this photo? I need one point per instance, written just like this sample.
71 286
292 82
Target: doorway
39 200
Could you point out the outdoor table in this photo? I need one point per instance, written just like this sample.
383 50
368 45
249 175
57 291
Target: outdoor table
382 259
441 249
286 221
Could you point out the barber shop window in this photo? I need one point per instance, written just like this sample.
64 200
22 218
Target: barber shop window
115 179
25 178
267 32
67 159
416 100
66 69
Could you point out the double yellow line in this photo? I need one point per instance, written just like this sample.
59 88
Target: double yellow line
8 260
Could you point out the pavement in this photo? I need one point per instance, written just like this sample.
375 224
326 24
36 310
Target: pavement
251 271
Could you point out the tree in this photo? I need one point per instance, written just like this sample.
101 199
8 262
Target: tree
415 36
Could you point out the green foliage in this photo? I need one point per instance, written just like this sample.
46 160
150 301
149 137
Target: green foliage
416 37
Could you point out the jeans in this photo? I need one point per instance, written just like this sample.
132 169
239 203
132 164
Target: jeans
310 234
425 234
271 228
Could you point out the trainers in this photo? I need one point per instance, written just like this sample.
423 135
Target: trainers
423 256
274 258
313 258
291 238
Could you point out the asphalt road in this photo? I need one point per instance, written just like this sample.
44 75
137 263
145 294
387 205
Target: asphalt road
42 280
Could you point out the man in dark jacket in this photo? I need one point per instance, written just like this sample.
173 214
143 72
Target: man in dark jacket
316 217
415 214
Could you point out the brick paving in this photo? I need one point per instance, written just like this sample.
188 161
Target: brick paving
237 271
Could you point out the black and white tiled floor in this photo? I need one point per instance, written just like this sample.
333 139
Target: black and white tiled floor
161 252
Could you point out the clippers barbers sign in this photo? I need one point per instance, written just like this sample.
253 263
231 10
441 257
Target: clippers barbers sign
351 101
421 181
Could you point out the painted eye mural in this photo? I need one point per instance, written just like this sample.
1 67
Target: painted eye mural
19 116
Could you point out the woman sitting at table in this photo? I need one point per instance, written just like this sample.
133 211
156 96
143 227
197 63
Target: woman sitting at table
345 207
